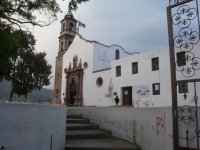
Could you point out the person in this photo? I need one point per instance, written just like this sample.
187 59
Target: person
116 100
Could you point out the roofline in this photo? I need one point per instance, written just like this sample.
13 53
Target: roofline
106 45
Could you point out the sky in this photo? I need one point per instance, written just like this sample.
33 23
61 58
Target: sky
137 26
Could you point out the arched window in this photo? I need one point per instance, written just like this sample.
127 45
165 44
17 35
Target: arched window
61 46
69 43
71 25
117 55
63 26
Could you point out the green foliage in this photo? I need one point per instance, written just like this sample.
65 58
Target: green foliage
8 44
14 16
73 4
19 12
42 70
30 70
18 61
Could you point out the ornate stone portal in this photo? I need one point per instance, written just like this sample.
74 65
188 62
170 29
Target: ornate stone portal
74 83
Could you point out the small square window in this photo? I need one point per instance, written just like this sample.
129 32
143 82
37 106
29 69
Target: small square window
181 61
118 71
134 67
156 89
155 64
183 87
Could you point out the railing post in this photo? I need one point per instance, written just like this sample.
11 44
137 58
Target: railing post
173 78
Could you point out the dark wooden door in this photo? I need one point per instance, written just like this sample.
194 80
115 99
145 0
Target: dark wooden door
127 96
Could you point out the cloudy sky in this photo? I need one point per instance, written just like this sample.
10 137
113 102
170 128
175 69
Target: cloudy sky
135 25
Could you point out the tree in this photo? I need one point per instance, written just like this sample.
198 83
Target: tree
20 12
31 72
73 4
16 15
18 62
29 69
7 44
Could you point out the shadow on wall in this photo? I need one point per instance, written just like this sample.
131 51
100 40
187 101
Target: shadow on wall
150 128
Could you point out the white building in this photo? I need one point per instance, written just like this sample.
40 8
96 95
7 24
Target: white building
89 73
133 83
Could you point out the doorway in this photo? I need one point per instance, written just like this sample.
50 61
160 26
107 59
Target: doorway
74 83
127 96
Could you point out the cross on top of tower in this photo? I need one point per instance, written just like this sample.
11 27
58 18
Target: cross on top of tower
69 13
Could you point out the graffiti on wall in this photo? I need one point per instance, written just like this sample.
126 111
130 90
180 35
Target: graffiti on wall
160 124
142 91
142 96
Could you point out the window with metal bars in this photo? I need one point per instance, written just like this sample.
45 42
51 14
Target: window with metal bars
134 67
181 61
118 71
155 63
156 88
183 87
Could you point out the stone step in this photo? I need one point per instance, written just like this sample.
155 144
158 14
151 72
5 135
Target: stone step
82 134
99 144
82 126
74 116
77 120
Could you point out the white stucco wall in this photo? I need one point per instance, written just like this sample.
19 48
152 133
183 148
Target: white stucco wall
29 127
95 95
103 55
149 128
144 78
99 56
84 51
92 94
101 63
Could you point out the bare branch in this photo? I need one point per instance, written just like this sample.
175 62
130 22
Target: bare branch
19 22
24 9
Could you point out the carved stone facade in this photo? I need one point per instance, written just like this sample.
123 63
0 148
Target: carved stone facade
67 34
74 83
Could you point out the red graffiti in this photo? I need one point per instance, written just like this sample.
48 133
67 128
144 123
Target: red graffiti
161 125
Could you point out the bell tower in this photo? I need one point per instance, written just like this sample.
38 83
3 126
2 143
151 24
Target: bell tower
67 34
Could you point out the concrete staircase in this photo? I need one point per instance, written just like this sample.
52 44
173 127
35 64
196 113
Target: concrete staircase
83 135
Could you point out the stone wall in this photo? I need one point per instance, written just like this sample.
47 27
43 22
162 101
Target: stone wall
150 128
32 127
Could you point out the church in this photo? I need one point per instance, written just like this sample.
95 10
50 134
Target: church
90 73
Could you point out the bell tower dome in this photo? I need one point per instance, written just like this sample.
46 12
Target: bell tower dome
67 34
